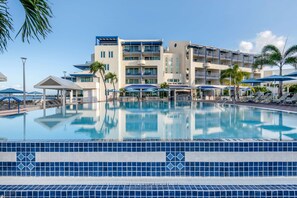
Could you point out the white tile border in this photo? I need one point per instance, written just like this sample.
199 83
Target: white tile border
146 180
240 156
100 156
7 156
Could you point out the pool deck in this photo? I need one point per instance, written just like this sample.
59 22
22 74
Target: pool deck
270 106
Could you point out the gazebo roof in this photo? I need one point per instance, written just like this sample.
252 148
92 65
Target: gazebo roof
3 78
53 82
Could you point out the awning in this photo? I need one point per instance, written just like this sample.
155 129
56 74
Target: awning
141 86
11 91
53 82
3 78
82 75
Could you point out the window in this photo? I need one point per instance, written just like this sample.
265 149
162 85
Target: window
110 54
150 81
106 67
131 58
166 65
152 58
132 81
132 71
86 79
102 54
177 65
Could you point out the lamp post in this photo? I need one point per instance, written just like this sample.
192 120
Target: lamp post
24 80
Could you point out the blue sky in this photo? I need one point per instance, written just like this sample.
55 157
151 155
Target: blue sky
230 24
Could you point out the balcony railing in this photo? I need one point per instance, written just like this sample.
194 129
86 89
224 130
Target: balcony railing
207 75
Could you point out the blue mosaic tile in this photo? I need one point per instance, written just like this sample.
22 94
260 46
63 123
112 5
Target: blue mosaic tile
180 166
170 166
31 166
156 191
21 156
21 166
170 156
30 157
180 156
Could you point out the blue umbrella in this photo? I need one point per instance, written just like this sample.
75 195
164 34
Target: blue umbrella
275 78
251 81
294 74
207 87
10 91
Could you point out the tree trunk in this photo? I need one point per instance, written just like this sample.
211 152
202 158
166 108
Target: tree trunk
280 87
113 91
103 80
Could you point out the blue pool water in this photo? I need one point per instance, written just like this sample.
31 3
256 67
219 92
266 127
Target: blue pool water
150 120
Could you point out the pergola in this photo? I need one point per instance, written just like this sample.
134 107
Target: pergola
56 83
2 78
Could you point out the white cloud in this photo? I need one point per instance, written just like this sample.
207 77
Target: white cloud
245 46
263 38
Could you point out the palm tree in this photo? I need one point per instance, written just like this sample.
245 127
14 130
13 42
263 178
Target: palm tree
236 76
36 24
96 67
164 85
272 56
113 79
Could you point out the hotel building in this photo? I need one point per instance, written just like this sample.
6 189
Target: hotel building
148 62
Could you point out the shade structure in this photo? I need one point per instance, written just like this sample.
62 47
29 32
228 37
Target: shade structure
141 86
3 78
294 74
208 87
11 91
277 78
35 93
250 81
162 90
132 90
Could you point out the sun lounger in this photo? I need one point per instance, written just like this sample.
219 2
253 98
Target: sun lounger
291 100
267 100
281 99
262 97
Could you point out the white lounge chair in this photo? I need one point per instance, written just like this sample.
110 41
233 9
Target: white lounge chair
291 100
282 98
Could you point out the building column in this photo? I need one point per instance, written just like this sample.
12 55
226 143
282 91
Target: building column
71 96
44 99
64 101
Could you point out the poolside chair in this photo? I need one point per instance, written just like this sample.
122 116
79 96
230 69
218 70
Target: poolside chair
262 97
256 96
281 99
291 100
267 100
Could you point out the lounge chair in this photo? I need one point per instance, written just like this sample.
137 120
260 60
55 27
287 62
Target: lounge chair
291 100
262 97
267 100
281 99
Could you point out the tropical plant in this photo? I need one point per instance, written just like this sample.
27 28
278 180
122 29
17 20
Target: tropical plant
112 77
36 24
291 87
272 56
164 85
260 89
96 67
236 76
122 91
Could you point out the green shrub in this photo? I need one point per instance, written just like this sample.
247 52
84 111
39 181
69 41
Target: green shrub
261 89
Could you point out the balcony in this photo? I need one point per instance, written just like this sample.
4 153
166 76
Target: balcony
130 74
149 74
209 76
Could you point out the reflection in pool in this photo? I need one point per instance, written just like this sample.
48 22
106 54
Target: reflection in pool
150 120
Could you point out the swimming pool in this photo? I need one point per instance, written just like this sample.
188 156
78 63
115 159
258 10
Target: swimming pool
153 120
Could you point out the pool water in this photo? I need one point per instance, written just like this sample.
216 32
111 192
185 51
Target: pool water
151 121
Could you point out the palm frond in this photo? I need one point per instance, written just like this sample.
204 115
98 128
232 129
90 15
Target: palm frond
268 49
5 25
37 17
291 51
291 60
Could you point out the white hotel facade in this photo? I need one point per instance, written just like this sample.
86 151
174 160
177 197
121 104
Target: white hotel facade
147 62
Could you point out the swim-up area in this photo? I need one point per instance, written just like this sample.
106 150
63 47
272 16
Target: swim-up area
150 121
149 149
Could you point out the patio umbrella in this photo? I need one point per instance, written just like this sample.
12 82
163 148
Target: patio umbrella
10 91
250 81
2 78
294 74
275 78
